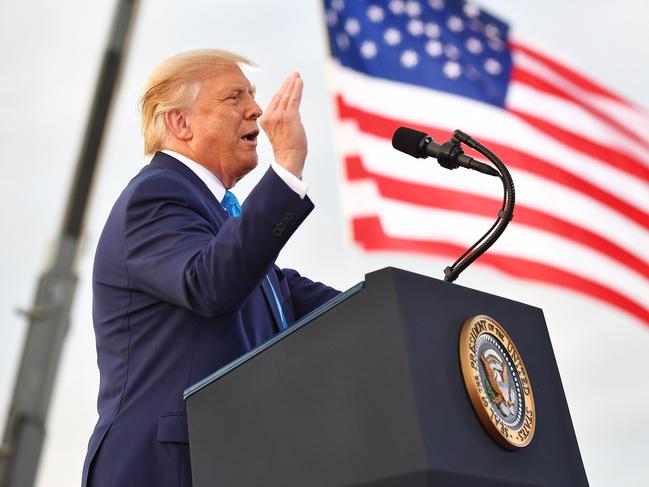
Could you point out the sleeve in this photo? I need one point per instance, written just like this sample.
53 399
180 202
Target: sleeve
174 252
306 294
293 182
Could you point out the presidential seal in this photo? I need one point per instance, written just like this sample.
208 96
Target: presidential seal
497 382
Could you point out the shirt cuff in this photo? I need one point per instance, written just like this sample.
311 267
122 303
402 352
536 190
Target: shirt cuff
293 182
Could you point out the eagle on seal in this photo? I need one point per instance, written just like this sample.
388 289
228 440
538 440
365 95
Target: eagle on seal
498 381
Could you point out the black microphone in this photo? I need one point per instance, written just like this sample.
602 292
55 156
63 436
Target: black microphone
449 155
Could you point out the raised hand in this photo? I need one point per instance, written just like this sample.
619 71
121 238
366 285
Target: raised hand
283 126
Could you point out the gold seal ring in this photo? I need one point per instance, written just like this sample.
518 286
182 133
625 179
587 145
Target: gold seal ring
497 382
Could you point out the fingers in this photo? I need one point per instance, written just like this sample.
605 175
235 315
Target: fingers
274 102
287 91
282 124
288 95
296 93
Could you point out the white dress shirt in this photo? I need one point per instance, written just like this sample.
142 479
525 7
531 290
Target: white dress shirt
216 186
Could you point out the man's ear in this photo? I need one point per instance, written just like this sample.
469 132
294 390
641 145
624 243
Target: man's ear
178 124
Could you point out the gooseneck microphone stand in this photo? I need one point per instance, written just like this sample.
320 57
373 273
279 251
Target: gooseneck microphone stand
505 214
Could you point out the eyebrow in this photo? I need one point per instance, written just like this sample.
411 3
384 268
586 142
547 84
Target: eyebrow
252 89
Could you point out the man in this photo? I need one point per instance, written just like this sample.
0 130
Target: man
183 285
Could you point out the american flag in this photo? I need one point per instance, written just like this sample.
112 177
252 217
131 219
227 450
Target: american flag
578 153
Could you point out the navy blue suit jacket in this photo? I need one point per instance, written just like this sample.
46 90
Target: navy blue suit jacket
179 290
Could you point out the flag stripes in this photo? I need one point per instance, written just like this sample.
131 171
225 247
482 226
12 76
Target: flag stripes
462 201
381 126
428 108
607 155
369 233
405 220
523 76
570 75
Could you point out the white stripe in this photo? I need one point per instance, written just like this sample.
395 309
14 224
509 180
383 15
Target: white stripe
547 74
531 191
428 107
571 117
409 221
633 117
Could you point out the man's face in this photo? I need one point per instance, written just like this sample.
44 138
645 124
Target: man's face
224 128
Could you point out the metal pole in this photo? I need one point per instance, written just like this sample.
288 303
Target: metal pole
50 316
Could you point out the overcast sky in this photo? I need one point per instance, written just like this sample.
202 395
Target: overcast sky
50 58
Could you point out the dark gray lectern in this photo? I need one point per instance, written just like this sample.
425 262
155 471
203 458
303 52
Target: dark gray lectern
368 391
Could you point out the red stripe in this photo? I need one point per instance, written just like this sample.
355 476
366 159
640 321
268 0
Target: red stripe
575 78
384 127
369 233
606 155
526 77
447 199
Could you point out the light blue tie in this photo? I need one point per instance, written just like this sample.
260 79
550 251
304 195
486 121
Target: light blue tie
231 204
233 208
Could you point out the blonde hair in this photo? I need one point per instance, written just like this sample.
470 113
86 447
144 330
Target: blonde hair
174 85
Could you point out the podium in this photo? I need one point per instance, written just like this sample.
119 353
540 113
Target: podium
368 391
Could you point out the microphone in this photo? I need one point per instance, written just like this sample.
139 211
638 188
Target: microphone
449 155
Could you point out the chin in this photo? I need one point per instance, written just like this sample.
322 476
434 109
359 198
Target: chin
245 168
251 164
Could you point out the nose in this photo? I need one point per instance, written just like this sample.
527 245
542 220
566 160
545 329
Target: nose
254 110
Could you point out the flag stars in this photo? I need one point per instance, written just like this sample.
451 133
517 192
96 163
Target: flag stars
471 72
332 18
452 70
432 30
496 44
392 36
369 50
352 26
416 27
338 5
409 58
413 8
397 7
342 40
471 10
492 31
474 46
434 48
492 67
455 23
476 25
461 43
452 52
376 14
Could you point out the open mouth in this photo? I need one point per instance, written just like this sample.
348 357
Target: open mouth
251 137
